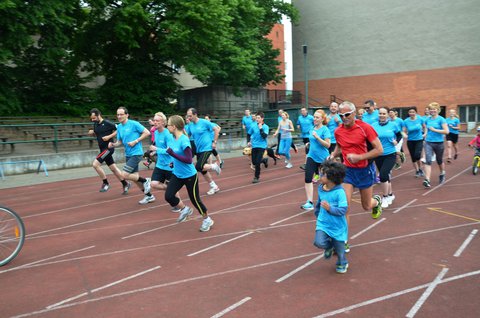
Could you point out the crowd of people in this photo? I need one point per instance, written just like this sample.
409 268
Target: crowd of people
345 149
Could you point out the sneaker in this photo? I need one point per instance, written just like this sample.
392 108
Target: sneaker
216 168
175 209
421 173
426 183
302 166
184 214
206 225
213 190
390 198
342 269
377 211
126 188
402 157
147 199
385 202
308 206
327 254
441 178
255 180
396 166
221 164
455 156
289 165
315 179
146 186
104 187
347 247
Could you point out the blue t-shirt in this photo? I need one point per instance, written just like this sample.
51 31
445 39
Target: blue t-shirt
370 118
453 122
181 169
130 131
201 132
306 125
399 123
247 121
437 124
414 128
333 122
163 140
334 225
256 139
318 152
386 135
187 130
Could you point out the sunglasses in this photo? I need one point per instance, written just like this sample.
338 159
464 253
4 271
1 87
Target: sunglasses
345 114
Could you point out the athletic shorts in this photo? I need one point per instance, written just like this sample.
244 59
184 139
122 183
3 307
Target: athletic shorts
131 163
161 175
452 137
361 178
106 156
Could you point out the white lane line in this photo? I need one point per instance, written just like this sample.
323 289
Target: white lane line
148 231
310 262
102 287
219 244
393 295
232 307
46 259
465 243
404 206
290 217
426 294
367 228
448 180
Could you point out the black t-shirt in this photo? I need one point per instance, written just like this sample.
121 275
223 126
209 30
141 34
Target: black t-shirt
103 129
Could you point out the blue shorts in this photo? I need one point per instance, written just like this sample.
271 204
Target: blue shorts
361 178
131 164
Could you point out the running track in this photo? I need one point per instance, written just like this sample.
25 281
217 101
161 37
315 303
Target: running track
91 254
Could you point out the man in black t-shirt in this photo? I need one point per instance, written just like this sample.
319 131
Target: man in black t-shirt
105 131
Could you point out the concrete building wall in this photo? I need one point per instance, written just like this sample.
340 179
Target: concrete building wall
398 52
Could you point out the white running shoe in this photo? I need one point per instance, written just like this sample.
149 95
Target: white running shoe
385 202
216 168
289 165
213 190
147 199
184 214
146 186
206 225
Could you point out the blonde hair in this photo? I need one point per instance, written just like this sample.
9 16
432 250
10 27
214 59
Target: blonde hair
324 116
434 105
177 122
162 116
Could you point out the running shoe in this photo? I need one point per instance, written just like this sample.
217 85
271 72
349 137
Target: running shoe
147 199
315 179
104 187
289 165
184 214
327 254
402 157
216 168
455 156
390 198
302 166
385 202
126 188
426 183
308 206
441 178
342 269
175 209
377 211
221 164
206 224
213 190
347 247
146 185
421 173
255 180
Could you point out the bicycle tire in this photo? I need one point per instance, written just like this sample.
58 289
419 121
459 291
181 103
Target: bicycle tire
475 166
12 235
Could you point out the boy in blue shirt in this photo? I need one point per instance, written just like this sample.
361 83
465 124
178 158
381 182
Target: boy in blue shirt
332 229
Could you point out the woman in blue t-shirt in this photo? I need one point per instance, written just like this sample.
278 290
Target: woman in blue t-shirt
452 138
184 174
414 129
436 128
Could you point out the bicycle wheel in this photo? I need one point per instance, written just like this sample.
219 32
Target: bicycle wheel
475 165
12 235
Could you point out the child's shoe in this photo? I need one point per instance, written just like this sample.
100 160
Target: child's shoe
342 269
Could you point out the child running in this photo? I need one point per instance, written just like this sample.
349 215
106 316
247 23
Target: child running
332 229
184 173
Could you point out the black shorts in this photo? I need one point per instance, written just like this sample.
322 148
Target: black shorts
161 175
106 156
452 137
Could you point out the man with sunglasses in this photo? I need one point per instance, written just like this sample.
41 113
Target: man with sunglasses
371 112
358 144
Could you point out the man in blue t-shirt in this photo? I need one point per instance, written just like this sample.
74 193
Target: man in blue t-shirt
305 125
371 112
247 120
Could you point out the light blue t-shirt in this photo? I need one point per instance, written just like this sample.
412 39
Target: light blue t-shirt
318 152
247 121
306 125
187 130
386 135
255 138
370 118
334 225
201 132
333 122
130 131
414 128
399 123
163 140
181 169
436 123
453 122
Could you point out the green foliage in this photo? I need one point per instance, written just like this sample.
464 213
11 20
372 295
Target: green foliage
50 49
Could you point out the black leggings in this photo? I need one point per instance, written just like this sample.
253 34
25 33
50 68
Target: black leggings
257 157
202 158
311 167
415 148
191 184
385 165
